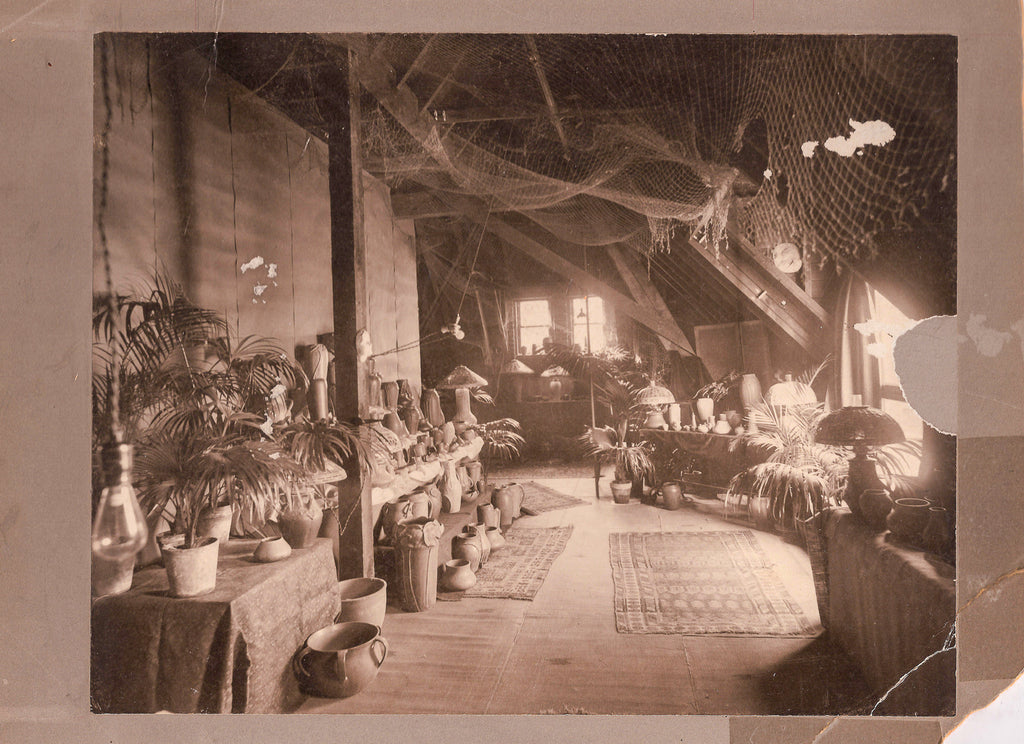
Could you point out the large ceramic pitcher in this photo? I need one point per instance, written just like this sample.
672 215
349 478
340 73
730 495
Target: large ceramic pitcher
340 660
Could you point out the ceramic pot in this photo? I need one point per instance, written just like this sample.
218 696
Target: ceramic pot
467 546
410 416
390 395
750 391
300 528
672 495
875 506
722 425
340 660
448 434
451 488
503 499
908 519
416 544
488 515
674 417
555 390
394 423
655 420
430 402
271 549
112 576
475 470
457 576
215 523
192 571
408 506
621 491
518 494
362 600
485 541
705 409
495 538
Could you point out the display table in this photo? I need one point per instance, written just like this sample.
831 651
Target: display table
228 651
722 455
891 607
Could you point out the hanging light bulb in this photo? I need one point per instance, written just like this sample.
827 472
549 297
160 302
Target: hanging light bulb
119 529
454 329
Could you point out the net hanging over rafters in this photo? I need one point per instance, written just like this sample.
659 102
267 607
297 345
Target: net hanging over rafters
627 139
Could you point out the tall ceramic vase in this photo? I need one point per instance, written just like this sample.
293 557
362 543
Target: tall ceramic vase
463 413
705 409
416 562
430 402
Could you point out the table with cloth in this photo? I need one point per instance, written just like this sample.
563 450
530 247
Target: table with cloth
892 608
228 651
721 455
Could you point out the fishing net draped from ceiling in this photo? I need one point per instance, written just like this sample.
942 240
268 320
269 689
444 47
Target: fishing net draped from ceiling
824 141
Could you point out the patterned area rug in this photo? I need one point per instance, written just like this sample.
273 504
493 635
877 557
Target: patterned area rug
539 498
700 583
518 570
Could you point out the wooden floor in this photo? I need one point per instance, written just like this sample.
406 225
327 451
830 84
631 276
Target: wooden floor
561 652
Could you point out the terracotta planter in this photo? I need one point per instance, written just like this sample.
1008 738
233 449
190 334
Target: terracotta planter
192 571
362 600
457 576
621 491
340 660
271 549
215 523
416 562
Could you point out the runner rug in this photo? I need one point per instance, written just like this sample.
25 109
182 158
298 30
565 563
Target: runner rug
539 498
518 570
701 583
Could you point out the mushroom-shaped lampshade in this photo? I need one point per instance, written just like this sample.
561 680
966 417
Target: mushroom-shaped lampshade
518 372
461 379
555 371
859 427
654 397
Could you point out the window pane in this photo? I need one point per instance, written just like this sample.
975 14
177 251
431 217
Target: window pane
533 337
534 313
598 342
596 310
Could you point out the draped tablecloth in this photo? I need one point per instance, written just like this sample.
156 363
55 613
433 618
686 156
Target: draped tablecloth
892 607
228 651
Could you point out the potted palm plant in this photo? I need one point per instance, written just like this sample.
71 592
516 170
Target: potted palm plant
320 448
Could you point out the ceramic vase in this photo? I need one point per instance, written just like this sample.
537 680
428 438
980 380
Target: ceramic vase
488 515
750 391
674 417
503 500
416 545
389 391
468 546
430 402
463 412
705 409
495 538
672 495
875 506
451 488
722 425
518 494
457 576
475 470
362 600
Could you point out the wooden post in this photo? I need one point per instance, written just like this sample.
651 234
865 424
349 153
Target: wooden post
348 268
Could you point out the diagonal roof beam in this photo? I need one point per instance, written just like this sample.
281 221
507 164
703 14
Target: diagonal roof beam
549 99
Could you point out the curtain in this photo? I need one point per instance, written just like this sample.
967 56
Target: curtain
856 370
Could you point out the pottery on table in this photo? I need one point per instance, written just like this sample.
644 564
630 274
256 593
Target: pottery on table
192 571
908 519
215 522
875 506
340 660
457 576
362 600
271 549
705 409
722 426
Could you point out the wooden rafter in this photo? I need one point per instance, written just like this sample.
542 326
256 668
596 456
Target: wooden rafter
549 98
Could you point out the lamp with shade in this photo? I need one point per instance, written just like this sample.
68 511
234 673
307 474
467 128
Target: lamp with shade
517 373
859 427
654 398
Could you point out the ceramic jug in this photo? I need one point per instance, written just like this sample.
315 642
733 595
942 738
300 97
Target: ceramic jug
672 495
503 500
468 546
340 660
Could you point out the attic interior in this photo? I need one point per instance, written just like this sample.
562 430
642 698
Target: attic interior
452 358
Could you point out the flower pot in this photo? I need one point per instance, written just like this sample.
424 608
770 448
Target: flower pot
112 577
908 519
705 409
272 549
340 660
457 576
192 571
362 600
621 491
215 523
416 562
300 528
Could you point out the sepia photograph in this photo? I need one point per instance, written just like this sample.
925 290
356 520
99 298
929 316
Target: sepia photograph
520 374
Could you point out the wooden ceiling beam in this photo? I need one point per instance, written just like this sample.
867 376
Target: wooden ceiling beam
549 98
